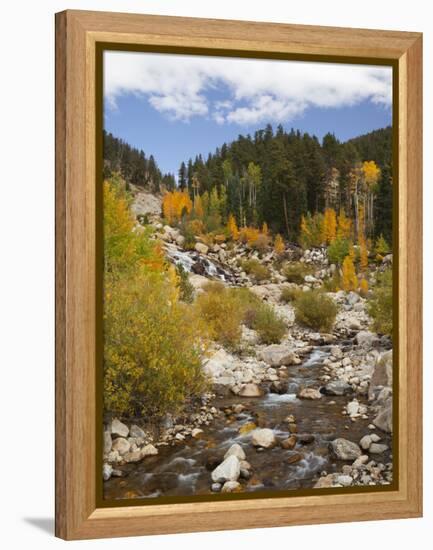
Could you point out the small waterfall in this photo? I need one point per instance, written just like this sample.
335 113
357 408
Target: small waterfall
193 262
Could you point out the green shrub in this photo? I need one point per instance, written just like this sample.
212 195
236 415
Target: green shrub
289 294
255 269
221 313
186 290
295 272
338 250
380 304
316 310
268 325
332 284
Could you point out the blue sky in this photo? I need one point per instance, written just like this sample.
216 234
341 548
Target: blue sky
175 107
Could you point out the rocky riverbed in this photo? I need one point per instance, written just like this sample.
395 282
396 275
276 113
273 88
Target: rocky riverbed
312 411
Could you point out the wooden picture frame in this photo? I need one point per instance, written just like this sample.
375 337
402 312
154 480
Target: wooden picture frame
79 36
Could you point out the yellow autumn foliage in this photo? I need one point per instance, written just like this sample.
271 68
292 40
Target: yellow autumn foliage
175 204
371 172
279 247
233 227
329 225
344 226
349 279
153 342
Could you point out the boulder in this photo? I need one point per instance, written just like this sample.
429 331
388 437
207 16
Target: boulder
277 355
289 443
149 450
237 451
294 458
133 456
279 386
118 428
337 387
198 281
382 374
228 470
250 390
196 433
201 248
378 448
352 408
366 338
180 240
218 363
310 393
263 437
336 352
344 480
121 445
107 471
136 431
365 442
345 449
383 420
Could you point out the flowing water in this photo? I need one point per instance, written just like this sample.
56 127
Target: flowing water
185 469
193 262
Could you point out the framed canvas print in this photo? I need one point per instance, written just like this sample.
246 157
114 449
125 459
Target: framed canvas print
238 228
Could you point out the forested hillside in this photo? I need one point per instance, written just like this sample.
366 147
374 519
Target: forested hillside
277 177
133 165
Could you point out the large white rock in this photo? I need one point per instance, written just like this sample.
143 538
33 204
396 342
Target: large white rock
345 449
250 390
201 248
228 470
277 355
237 451
118 428
218 363
107 470
352 408
310 393
121 445
149 450
263 437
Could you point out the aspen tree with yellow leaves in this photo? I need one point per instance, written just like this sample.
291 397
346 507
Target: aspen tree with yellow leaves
329 225
349 279
279 247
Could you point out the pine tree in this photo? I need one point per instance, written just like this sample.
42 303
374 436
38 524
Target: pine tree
182 181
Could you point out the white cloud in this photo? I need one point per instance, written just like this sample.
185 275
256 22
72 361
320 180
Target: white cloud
255 91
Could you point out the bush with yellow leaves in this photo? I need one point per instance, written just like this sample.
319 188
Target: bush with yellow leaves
153 343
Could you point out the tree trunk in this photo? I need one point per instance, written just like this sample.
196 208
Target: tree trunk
285 214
